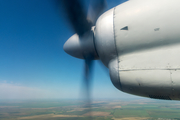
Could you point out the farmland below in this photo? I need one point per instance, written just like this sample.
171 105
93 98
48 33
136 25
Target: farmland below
125 109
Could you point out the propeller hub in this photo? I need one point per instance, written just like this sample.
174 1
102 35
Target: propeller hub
81 46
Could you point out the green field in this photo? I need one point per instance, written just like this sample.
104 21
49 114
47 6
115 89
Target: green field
139 109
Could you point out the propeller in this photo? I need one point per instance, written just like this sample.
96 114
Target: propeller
81 45
96 8
76 16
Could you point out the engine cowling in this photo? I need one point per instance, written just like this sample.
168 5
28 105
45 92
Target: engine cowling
140 48
105 45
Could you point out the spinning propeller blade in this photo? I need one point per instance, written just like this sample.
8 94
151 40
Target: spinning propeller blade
96 8
76 16
82 24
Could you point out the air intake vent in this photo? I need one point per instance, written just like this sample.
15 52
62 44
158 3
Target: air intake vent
160 97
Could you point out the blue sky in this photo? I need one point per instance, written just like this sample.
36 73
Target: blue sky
33 64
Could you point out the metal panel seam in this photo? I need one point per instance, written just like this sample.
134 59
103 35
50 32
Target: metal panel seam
150 69
116 47
172 88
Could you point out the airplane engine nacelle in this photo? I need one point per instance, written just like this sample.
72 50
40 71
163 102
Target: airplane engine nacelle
139 41
105 45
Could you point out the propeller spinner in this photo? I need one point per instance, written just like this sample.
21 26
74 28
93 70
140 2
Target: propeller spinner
81 46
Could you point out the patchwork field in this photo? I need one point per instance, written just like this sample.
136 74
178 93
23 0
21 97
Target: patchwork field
139 109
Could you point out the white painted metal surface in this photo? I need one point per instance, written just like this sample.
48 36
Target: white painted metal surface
149 47
104 37
151 23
